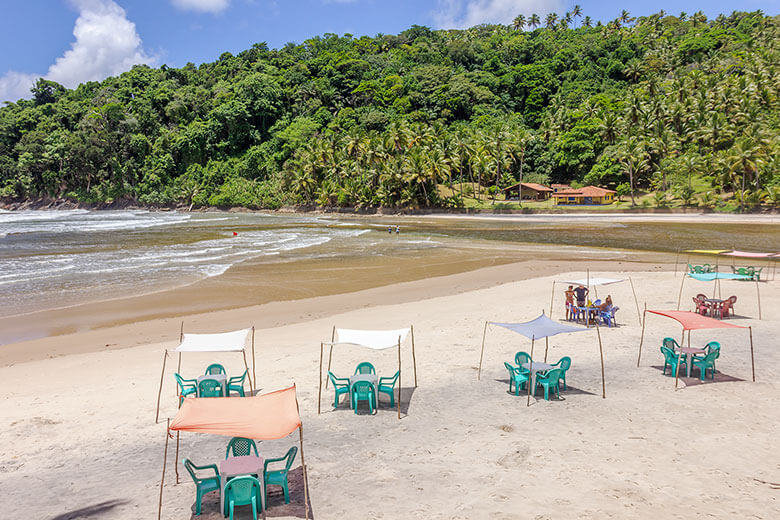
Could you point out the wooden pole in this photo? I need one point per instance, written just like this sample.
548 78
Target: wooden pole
162 480
482 352
254 360
178 365
176 458
246 366
546 347
642 337
181 332
305 475
679 296
758 296
531 372
752 361
719 295
330 353
319 378
676 259
552 297
601 353
414 358
636 302
679 356
159 392
398 404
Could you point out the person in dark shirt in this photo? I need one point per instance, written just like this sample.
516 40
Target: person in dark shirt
581 292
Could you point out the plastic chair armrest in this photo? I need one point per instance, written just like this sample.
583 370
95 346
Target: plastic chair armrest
269 461
208 466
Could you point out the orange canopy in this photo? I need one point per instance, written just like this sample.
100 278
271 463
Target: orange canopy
694 321
263 417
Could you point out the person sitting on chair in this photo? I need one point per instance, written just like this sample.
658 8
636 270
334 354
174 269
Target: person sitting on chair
607 305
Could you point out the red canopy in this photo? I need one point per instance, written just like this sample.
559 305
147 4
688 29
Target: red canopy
263 417
694 321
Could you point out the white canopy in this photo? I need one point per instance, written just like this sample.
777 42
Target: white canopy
222 342
592 281
373 339
538 328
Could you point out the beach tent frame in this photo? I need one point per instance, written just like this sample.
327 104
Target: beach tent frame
717 277
372 339
595 282
179 350
254 422
535 329
694 321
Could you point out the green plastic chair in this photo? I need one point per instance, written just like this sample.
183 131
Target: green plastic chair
387 386
365 368
210 388
363 391
550 380
709 347
279 477
706 362
672 345
757 274
744 271
520 358
517 377
215 368
236 384
203 485
340 386
240 447
186 387
670 360
243 491
564 364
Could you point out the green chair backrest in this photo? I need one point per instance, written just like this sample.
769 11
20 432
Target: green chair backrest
522 357
553 375
742 270
180 381
209 388
564 363
363 388
671 344
241 447
713 346
290 456
390 380
511 369
333 378
365 368
669 355
242 489
215 368
189 466
698 269
238 379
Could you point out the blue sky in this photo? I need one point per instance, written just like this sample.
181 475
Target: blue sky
71 41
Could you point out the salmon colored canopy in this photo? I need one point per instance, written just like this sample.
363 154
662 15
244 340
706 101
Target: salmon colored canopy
263 417
693 321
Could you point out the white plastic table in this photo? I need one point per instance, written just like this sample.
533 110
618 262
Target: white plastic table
690 351
219 378
237 466
533 368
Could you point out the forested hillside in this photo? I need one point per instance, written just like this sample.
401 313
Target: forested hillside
686 107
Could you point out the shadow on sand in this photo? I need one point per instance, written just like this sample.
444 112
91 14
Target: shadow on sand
720 377
90 511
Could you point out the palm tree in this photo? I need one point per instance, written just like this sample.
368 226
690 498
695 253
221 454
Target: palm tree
534 21
587 22
625 18
551 20
634 159
519 22
577 11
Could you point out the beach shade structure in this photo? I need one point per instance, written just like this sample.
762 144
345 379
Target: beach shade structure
538 328
707 252
234 341
717 277
769 257
370 339
268 416
694 321
594 282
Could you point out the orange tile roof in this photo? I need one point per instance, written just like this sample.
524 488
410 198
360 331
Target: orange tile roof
587 191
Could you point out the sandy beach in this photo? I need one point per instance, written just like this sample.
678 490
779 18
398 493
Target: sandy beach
81 442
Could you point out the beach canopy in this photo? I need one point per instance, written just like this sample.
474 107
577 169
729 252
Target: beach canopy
695 321
709 277
262 417
234 341
540 327
372 339
708 251
747 254
593 281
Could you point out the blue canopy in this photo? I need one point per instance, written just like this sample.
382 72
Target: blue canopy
708 277
540 327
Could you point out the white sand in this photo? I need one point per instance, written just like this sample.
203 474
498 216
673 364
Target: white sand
78 430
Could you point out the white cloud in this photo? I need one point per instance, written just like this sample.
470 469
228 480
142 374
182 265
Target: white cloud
459 14
106 44
204 6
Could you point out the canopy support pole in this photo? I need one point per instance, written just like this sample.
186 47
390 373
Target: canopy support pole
414 358
676 259
162 480
531 372
758 296
330 353
176 458
319 378
246 366
546 347
305 475
254 360
719 295
714 288
679 357
752 361
178 365
482 352
642 337
636 302
398 404
552 297
679 296
601 353
181 332
159 392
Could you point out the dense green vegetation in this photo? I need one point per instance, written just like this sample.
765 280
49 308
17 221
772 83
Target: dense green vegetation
681 106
